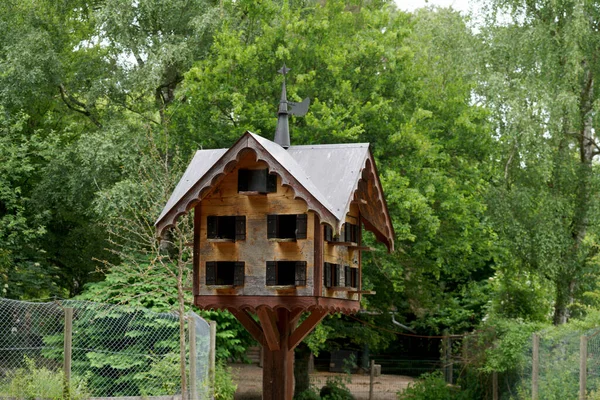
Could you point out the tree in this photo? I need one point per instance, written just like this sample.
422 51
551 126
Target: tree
540 69
70 69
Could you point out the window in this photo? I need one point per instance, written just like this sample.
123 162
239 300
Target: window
332 274
328 233
229 227
286 226
230 273
286 273
350 276
350 233
256 180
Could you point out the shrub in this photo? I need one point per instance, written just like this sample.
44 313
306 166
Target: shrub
309 394
430 387
335 389
32 382
224 386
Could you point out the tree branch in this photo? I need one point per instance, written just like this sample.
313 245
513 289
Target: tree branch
76 105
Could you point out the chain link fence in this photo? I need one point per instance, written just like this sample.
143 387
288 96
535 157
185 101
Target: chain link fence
114 351
561 365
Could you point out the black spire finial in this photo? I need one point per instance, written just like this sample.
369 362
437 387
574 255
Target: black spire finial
282 133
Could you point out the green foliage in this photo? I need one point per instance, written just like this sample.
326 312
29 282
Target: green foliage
162 377
34 382
538 66
126 347
224 386
507 344
335 389
430 387
309 394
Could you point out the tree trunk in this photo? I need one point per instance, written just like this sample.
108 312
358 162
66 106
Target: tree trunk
561 305
301 373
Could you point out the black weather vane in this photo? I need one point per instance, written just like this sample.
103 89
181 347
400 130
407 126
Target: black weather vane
282 133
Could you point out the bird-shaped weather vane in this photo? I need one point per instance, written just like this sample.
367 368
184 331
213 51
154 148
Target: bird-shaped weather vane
282 133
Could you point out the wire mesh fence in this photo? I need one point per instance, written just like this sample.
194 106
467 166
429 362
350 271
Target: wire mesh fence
560 365
114 351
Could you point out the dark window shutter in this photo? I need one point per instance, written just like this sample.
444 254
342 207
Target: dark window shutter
355 277
347 232
243 176
300 273
271 183
211 272
347 276
327 275
238 274
211 227
337 275
328 233
301 221
271 226
271 273
355 233
240 227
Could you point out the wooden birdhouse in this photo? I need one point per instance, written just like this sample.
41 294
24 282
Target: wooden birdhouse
278 233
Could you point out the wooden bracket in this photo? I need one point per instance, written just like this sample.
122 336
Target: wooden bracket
250 324
294 317
269 327
305 328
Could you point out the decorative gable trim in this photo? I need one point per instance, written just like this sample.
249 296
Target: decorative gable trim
225 165
372 205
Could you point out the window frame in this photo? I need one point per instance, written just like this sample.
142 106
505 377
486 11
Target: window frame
351 232
272 273
249 181
211 276
274 223
350 277
332 274
212 227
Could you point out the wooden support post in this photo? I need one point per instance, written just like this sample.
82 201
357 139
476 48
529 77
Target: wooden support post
447 352
535 367
278 335
212 356
196 252
583 367
494 385
278 367
192 341
269 327
371 379
68 342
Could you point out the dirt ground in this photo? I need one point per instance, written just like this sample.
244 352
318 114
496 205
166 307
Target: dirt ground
248 377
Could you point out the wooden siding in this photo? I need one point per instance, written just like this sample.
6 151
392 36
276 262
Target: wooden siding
343 255
256 250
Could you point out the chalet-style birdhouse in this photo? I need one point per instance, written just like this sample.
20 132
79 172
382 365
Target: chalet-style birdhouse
278 233
278 227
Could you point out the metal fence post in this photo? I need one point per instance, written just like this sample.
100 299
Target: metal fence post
583 367
535 367
212 358
192 340
68 342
